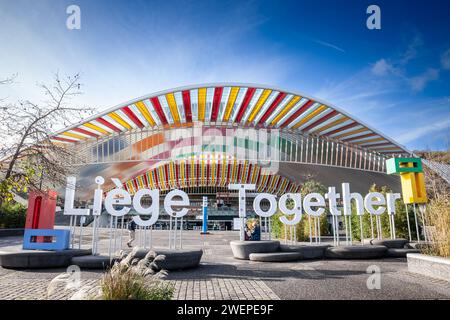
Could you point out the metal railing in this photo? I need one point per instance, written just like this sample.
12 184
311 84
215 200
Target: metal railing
258 145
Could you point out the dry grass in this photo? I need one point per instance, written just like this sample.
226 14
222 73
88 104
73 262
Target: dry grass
130 279
438 217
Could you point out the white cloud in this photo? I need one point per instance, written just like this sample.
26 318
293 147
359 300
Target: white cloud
418 83
411 51
122 65
419 132
382 67
445 60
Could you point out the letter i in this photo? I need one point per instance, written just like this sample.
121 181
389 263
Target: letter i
98 196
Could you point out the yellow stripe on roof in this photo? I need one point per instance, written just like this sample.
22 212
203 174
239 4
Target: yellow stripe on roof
173 107
74 135
143 109
223 176
201 103
350 133
150 180
368 141
286 109
310 116
119 119
140 182
389 148
262 99
96 128
231 100
213 172
332 124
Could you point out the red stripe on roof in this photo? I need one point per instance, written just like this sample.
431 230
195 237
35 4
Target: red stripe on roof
146 180
239 173
187 105
268 182
198 169
259 177
399 151
249 172
288 186
360 137
351 125
177 174
245 102
155 175
216 103
187 176
158 109
278 184
85 132
380 144
63 139
166 175
218 167
303 108
108 124
323 119
273 106
132 116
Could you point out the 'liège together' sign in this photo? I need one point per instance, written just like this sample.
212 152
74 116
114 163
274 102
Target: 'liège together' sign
117 203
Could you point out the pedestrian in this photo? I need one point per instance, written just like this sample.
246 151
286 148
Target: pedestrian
131 232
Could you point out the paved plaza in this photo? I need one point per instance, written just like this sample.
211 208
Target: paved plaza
220 276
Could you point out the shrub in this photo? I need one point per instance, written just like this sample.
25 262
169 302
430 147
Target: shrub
302 228
401 225
12 215
130 279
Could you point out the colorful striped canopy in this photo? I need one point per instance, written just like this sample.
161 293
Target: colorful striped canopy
192 173
230 105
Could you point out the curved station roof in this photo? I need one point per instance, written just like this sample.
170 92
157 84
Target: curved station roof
232 104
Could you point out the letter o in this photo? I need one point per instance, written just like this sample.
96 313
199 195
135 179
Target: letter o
257 205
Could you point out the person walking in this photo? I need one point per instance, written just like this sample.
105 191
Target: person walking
131 233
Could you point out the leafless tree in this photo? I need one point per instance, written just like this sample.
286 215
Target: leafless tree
28 157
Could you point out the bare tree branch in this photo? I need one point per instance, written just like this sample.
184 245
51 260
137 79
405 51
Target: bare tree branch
28 156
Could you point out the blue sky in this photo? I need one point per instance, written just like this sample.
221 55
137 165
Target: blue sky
396 79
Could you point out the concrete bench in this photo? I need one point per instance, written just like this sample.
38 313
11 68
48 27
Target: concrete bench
313 251
174 259
178 259
275 256
390 243
356 252
243 249
93 262
36 259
